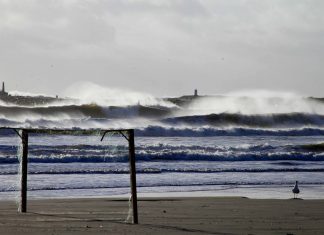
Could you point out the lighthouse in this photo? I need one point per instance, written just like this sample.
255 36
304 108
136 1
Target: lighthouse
196 93
3 91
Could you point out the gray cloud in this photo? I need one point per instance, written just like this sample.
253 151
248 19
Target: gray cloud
166 47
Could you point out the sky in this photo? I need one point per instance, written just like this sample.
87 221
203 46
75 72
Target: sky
163 47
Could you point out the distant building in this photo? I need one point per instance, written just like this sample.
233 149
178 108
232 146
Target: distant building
3 91
196 92
25 100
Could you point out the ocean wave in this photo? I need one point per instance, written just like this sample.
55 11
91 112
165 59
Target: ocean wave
156 121
205 131
87 149
170 131
172 156
256 120
55 113
319 147
160 171
51 112
93 115
160 152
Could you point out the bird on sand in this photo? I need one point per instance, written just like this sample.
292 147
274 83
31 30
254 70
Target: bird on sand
295 190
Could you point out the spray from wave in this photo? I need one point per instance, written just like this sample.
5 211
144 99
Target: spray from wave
254 102
91 93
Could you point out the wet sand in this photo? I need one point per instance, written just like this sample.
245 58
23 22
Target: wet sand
165 216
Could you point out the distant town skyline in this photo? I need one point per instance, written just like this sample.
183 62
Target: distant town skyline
163 47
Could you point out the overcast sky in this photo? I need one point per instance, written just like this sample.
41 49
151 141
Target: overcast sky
164 47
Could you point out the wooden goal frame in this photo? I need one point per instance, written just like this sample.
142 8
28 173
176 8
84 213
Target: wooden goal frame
23 133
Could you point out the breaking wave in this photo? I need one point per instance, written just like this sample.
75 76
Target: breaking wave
156 121
163 152
260 120
156 131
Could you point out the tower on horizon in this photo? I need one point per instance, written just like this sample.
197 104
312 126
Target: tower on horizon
196 92
3 91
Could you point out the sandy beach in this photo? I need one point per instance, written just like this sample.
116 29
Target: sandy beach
165 216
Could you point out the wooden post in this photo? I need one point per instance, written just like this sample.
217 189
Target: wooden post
23 176
133 174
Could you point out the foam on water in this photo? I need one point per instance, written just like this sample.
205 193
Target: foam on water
63 165
202 144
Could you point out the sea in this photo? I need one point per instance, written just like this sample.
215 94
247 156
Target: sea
243 145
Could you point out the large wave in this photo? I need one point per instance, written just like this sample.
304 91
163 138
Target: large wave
17 113
260 120
205 131
93 106
163 152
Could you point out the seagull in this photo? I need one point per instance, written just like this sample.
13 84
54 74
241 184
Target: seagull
296 190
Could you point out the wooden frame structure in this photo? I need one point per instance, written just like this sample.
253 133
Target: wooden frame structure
128 134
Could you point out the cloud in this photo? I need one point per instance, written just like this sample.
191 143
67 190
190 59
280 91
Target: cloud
51 27
215 45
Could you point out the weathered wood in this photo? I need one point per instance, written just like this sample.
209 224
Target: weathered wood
23 133
23 176
133 175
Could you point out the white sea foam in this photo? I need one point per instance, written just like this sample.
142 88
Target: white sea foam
87 92
255 102
85 165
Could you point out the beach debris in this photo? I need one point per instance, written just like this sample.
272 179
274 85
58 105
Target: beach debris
296 190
